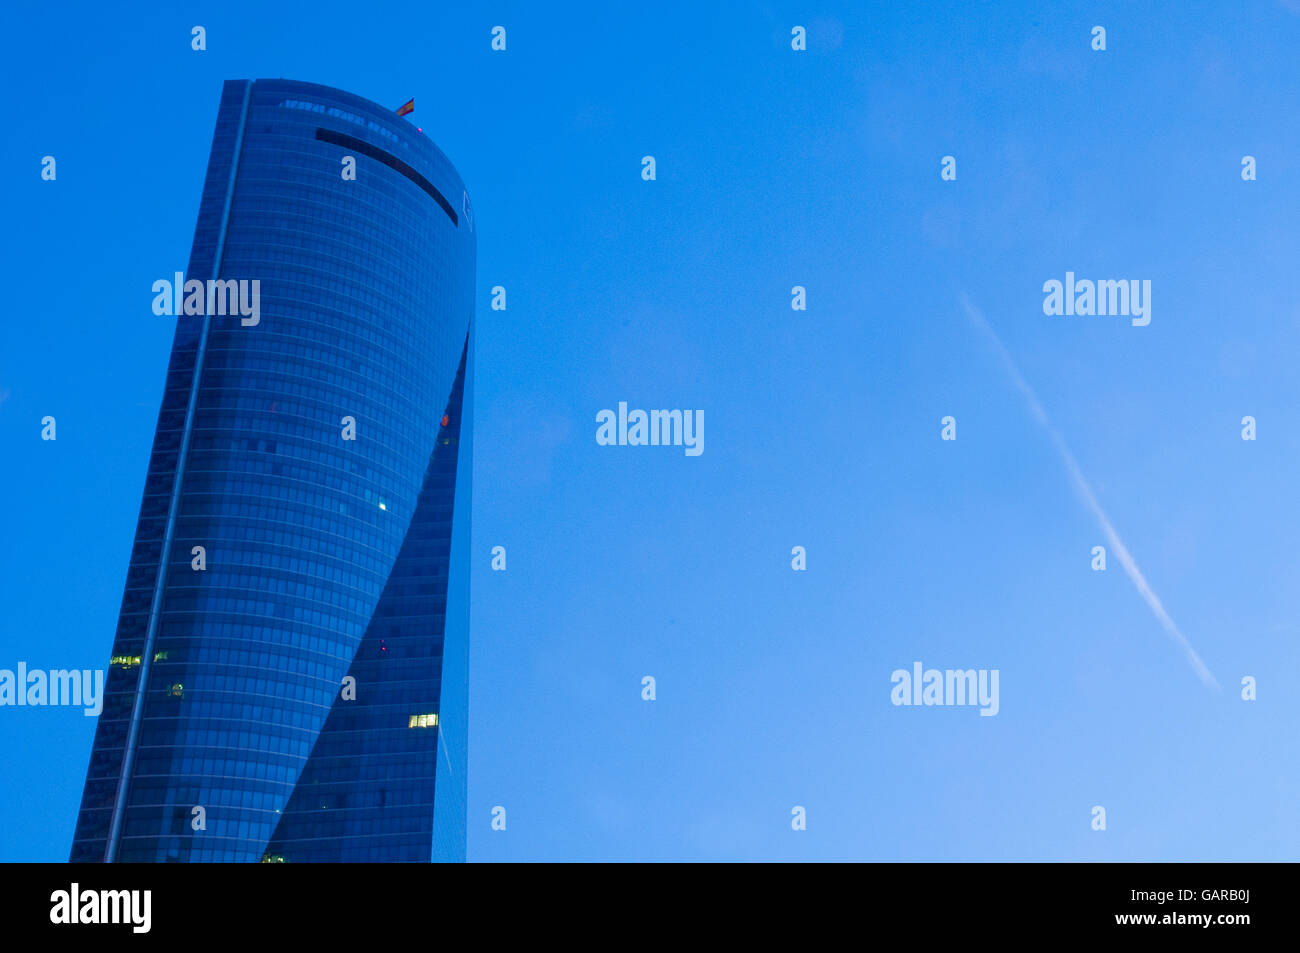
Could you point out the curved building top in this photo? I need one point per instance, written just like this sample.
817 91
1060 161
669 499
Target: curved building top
353 117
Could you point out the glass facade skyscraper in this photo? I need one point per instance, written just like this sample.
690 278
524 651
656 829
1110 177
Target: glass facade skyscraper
288 677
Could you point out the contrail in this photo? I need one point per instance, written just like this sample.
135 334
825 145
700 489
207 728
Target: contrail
1085 490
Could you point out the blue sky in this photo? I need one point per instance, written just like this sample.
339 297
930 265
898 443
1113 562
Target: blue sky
775 168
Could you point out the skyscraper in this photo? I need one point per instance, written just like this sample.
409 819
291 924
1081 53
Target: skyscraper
288 677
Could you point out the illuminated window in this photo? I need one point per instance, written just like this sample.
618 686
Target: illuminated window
159 656
126 661
273 858
177 691
423 721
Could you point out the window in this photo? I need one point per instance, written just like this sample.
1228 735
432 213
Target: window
366 149
423 721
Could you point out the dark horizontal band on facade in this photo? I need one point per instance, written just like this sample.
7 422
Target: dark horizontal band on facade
390 160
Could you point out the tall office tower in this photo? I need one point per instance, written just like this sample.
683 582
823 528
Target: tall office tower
288 680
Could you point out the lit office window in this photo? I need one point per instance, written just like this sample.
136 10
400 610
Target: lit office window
423 721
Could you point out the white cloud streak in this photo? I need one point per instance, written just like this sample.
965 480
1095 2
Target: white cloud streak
1084 490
